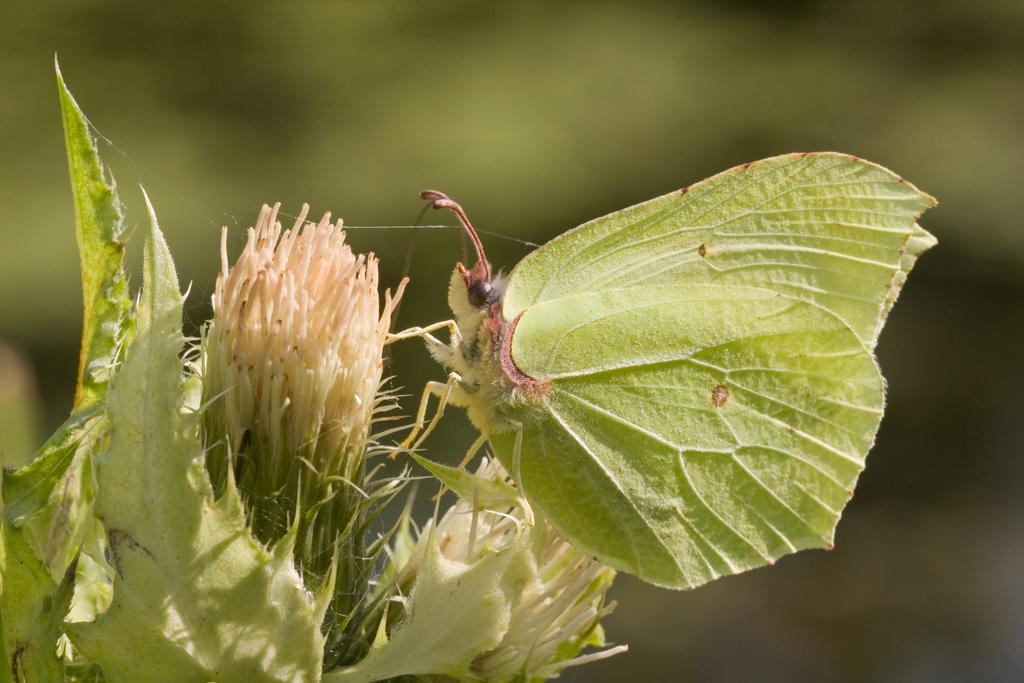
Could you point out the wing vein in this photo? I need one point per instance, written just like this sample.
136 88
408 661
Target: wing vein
618 485
621 420
807 437
681 459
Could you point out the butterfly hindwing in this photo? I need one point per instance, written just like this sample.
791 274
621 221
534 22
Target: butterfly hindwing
685 434
829 228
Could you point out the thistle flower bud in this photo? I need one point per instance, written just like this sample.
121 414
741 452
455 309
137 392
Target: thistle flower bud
557 615
292 366
552 618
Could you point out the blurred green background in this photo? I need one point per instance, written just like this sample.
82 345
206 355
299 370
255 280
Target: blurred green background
538 116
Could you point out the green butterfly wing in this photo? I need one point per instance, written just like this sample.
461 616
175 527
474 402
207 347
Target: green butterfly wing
711 391
829 228
688 434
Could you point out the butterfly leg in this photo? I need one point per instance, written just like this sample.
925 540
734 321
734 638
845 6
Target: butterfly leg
441 352
435 345
473 450
517 449
443 392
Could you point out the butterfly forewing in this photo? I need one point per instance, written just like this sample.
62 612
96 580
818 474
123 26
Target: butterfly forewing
688 433
920 241
825 227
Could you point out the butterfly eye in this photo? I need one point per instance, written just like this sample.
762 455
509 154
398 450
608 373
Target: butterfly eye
480 292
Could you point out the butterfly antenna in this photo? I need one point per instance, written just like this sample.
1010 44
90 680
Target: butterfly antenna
439 200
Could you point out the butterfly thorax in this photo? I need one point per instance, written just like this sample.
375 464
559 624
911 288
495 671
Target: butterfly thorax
491 385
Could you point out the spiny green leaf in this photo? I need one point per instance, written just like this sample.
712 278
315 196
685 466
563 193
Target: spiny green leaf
46 510
32 609
98 227
50 499
47 505
196 598
56 530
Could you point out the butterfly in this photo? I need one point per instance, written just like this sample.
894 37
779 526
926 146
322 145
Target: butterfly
687 388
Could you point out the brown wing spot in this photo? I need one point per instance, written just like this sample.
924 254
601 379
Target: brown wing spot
719 395
702 250
684 190
747 165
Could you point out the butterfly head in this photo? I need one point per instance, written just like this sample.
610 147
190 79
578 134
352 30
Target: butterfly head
480 285
482 288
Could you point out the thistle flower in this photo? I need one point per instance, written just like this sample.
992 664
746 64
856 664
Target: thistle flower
559 611
557 615
553 613
292 368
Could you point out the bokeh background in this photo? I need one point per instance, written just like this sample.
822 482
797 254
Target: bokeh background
538 116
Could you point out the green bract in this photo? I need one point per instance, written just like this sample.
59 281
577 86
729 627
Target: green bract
494 598
456 611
